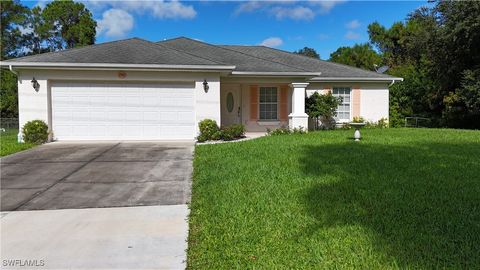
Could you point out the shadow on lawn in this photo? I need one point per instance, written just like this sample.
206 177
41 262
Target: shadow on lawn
421 202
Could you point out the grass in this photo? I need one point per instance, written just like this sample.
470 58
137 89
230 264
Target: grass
401 198
9 144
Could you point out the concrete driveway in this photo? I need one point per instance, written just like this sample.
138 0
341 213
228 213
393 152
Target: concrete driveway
115 205
92 175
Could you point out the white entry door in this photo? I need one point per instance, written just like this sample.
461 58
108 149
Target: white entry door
231 104
123 111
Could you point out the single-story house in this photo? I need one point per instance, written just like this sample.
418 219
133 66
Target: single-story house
135 89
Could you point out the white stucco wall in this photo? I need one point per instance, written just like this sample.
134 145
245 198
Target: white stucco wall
374 102
373 97
37 105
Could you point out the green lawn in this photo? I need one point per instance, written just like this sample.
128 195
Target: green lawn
9 145
401 198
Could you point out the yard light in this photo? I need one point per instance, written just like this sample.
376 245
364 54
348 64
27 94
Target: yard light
205 86
35 84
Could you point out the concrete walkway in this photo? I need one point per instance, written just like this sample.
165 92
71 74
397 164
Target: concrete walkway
146 237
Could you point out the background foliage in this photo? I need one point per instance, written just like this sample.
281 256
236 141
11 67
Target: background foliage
60 25
436 50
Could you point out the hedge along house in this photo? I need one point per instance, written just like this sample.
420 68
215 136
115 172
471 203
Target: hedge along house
134 89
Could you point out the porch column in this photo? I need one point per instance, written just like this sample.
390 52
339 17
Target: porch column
298 118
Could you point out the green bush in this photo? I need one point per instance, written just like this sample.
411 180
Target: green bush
381 123
209 130
285 131
232 132
35 132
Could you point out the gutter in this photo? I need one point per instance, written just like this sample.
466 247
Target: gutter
46 65
275 74
13 71
356 79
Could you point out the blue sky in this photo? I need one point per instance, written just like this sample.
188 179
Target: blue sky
287 25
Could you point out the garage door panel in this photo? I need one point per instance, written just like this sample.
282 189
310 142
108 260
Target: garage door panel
93 111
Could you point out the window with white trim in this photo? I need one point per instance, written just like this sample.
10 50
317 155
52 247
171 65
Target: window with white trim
268 103
343 110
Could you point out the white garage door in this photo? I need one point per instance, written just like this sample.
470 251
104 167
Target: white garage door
123 111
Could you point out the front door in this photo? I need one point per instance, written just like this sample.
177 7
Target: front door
231 105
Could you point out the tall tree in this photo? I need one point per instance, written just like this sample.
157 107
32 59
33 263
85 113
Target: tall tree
310 52
436 51
360 55
69 24
13 18
62 24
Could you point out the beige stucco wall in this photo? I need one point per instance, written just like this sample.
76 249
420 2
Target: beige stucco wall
373 97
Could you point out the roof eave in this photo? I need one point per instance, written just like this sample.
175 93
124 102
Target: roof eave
355 79
113 66
274 74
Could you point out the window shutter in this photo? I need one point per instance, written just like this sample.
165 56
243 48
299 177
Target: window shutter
283 103
253 102
356 101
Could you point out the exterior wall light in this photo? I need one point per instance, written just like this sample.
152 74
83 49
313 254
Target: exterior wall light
35 85
205 86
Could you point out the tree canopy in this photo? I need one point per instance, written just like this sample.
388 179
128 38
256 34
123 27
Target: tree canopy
310 52
360 55
436 50
24 31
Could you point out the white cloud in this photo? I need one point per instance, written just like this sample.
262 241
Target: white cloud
248 6
295 13
158 9
272 42
288 9
115 23
352 35
352 24
326 5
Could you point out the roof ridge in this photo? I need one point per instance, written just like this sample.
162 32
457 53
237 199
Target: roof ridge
315 59
185 52
77 48
219 46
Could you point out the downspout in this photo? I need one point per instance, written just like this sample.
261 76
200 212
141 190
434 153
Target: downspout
13 71
393 81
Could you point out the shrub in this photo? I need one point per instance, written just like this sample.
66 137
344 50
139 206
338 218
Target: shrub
35 132
208 130
299 130
233 132
381 123
278 131
286 130
325 106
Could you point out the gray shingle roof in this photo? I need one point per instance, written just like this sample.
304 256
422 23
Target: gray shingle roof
328 69
128 51
185 51
242 61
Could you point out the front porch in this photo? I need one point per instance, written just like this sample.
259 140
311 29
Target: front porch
262 105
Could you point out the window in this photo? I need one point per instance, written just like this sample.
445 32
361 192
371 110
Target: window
343 110
268 103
